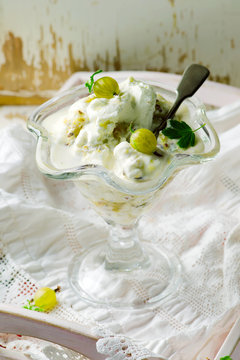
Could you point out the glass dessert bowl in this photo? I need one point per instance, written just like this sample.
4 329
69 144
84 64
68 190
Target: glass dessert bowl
121 271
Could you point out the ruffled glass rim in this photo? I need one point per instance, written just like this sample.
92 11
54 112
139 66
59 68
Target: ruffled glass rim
68 97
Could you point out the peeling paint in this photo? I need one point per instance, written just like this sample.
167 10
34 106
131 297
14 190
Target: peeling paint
164 66
69 42
107 61
225 79
17 74
196 32
172 2
193 54
174 15
232 43
182 58
117 58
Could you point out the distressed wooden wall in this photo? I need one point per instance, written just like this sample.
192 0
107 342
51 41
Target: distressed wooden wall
43 41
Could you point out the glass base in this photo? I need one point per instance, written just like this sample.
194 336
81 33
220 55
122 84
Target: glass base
146 285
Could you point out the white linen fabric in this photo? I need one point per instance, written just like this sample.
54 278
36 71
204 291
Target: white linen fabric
44 223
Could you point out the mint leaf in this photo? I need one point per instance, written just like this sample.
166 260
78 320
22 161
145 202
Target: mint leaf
182 131
180 125
187 140
226 358
172 133
90 82
33 307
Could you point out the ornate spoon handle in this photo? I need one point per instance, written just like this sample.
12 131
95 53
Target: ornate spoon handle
193 77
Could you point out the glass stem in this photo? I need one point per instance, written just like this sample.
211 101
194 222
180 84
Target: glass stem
124 251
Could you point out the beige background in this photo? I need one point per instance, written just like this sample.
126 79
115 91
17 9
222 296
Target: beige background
44 41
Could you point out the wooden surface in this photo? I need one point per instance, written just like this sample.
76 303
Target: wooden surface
43 42
16 320
231 345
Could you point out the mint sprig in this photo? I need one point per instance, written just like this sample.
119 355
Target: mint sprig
30 306
90 82
182 131
226 358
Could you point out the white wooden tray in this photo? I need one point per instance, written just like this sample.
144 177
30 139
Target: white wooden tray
231 345
15 320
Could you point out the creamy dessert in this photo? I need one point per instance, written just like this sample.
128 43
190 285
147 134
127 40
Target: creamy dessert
118 146
117 127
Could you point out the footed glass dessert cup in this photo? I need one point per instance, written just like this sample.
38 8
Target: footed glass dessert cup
122 271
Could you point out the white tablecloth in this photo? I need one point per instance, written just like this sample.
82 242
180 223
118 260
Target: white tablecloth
44 222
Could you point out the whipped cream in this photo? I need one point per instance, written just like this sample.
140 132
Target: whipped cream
97 131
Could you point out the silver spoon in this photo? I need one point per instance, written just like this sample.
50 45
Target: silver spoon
193 77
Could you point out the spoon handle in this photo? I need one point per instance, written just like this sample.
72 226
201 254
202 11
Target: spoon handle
193 77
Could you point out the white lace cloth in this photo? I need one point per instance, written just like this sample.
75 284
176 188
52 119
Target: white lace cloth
43 223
